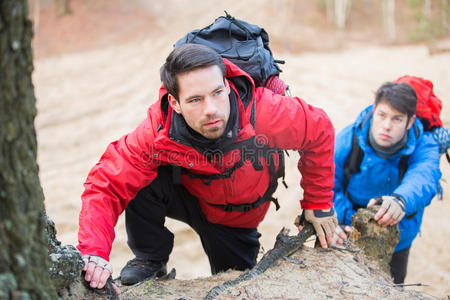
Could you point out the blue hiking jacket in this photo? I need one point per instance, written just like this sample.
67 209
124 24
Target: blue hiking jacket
379 176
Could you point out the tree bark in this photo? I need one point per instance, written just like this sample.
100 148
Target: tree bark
341 12
63 7
444 15
330 10
389 19
23 244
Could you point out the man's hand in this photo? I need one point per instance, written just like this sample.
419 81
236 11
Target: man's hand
98 271
324 222
340 234
392 210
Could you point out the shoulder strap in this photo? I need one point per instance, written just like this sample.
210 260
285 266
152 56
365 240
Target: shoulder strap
353 163
402 167
403 164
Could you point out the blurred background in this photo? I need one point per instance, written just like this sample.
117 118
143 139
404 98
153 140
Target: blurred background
97 71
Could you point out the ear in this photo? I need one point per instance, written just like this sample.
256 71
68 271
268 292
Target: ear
411 122
174 104
227 85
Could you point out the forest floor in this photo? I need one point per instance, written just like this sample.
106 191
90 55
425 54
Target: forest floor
96 73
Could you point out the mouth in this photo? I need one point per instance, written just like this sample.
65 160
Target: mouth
214 123
384 136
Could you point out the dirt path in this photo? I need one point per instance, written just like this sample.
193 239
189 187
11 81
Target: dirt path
89 98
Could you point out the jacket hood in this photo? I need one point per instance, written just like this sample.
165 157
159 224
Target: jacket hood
362 125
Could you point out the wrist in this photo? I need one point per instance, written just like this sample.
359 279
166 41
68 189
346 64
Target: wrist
400 200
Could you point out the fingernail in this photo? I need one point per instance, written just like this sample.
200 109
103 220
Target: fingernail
94 284
88 278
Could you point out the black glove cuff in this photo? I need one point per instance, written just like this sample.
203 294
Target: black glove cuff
400 200
318 213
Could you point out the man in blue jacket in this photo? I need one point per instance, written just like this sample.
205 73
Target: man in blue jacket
388 135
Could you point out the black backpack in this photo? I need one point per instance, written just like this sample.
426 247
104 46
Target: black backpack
247 46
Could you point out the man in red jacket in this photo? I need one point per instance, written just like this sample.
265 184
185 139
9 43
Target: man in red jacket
206 155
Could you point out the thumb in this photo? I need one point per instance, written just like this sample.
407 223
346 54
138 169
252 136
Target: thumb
85 264
371 202
116 288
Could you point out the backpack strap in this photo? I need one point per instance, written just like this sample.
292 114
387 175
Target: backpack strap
268 195
249 206
353 163
402 167
250 150
403 164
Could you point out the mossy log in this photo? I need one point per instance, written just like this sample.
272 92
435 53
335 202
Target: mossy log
309 273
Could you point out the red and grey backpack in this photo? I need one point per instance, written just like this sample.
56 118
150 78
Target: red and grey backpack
429 106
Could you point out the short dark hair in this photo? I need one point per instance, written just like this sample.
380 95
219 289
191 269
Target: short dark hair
400 96
186 58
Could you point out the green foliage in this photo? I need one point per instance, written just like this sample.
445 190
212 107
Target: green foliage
321 5
415 3
426 27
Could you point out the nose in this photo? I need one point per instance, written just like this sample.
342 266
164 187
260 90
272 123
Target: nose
387 124
209 107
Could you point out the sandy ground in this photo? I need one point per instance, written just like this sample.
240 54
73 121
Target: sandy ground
93 95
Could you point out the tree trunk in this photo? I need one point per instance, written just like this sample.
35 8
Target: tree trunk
23 245
63 7
330 10
444 15
341 12
389 19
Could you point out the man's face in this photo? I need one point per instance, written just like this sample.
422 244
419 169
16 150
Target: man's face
203 101
389 125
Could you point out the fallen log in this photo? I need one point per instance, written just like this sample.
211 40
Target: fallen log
302 273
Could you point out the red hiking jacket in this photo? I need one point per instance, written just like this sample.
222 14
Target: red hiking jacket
130 164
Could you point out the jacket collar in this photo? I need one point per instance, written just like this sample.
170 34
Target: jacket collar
180 132
242 86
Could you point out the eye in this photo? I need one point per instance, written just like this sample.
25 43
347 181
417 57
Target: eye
398 119
193 100
218 92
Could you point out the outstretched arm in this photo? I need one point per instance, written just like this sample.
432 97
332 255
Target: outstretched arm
125 168
291 123
420 183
